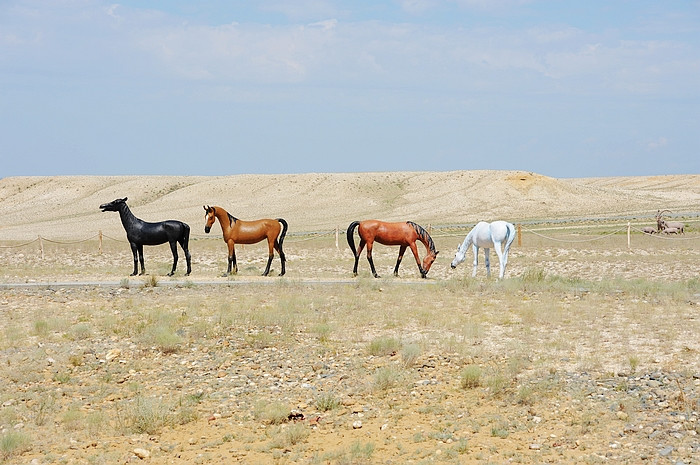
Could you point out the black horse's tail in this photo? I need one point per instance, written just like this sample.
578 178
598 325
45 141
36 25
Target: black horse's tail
351 238
186 236
284 231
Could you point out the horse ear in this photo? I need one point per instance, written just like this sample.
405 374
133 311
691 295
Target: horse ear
205 208
437 252
124 199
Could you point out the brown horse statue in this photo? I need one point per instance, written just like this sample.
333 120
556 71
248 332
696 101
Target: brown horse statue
402 234
248 232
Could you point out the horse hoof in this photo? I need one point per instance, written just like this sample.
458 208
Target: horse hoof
170 274
376 275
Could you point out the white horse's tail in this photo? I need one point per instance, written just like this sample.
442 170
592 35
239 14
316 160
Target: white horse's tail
510 237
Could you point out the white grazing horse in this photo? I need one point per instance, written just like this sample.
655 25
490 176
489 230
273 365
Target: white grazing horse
487 235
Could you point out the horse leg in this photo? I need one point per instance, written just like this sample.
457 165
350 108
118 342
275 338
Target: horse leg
487 259
357 256
186 249
402 249
475 248
501 261
414 249
140 250
173 249
270 256
134 250
369 259
283 260
231 259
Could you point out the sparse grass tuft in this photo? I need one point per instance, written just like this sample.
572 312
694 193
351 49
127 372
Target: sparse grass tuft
470 377
409 354
13 443
386 378
384 346
165 339
327 401
271 413
144 415
151 281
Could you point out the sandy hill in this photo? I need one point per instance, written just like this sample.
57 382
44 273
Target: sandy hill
66 207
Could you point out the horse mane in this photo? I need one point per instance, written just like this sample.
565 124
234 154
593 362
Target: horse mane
423 235
231 219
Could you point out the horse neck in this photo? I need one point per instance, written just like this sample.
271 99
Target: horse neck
225 218
128 218
467 241
424 237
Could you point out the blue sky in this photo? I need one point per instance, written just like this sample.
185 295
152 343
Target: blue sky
560 88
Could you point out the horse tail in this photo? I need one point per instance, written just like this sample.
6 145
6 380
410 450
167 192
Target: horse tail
510 237
186 235
284 231
351 238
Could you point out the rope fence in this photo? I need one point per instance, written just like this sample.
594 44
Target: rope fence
463 229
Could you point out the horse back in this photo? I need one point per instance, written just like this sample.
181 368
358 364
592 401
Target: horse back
387 233
254 231
160 232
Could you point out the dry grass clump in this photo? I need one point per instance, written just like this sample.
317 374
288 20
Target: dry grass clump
271 413
144 415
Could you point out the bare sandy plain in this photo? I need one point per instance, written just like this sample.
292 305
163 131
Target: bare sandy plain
587 352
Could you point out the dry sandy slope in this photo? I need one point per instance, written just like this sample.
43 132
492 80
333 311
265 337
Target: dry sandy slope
66 207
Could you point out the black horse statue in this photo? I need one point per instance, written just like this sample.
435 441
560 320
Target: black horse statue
140 233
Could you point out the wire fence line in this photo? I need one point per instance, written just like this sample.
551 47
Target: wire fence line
462 228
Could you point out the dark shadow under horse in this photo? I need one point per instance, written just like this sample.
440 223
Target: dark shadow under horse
140 233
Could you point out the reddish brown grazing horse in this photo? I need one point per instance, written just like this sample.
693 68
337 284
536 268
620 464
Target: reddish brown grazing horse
248 232
401 234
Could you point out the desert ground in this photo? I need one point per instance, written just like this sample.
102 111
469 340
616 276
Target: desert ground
587 351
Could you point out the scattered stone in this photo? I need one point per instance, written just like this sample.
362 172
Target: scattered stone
357 424
535 446
141 453
666 451
112 354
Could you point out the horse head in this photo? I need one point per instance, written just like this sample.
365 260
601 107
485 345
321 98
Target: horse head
113 206
459 256
210 217
428 261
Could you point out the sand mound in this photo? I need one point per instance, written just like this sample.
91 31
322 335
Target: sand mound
66 207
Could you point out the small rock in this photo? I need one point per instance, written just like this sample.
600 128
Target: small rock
357 424
666 451
141 453
535 446
112 354
622 416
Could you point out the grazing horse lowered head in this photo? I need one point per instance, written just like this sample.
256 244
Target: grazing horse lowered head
403 234
487 235
140 233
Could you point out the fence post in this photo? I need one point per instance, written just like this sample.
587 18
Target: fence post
520 235
336 238
41 246
100 241
629 227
